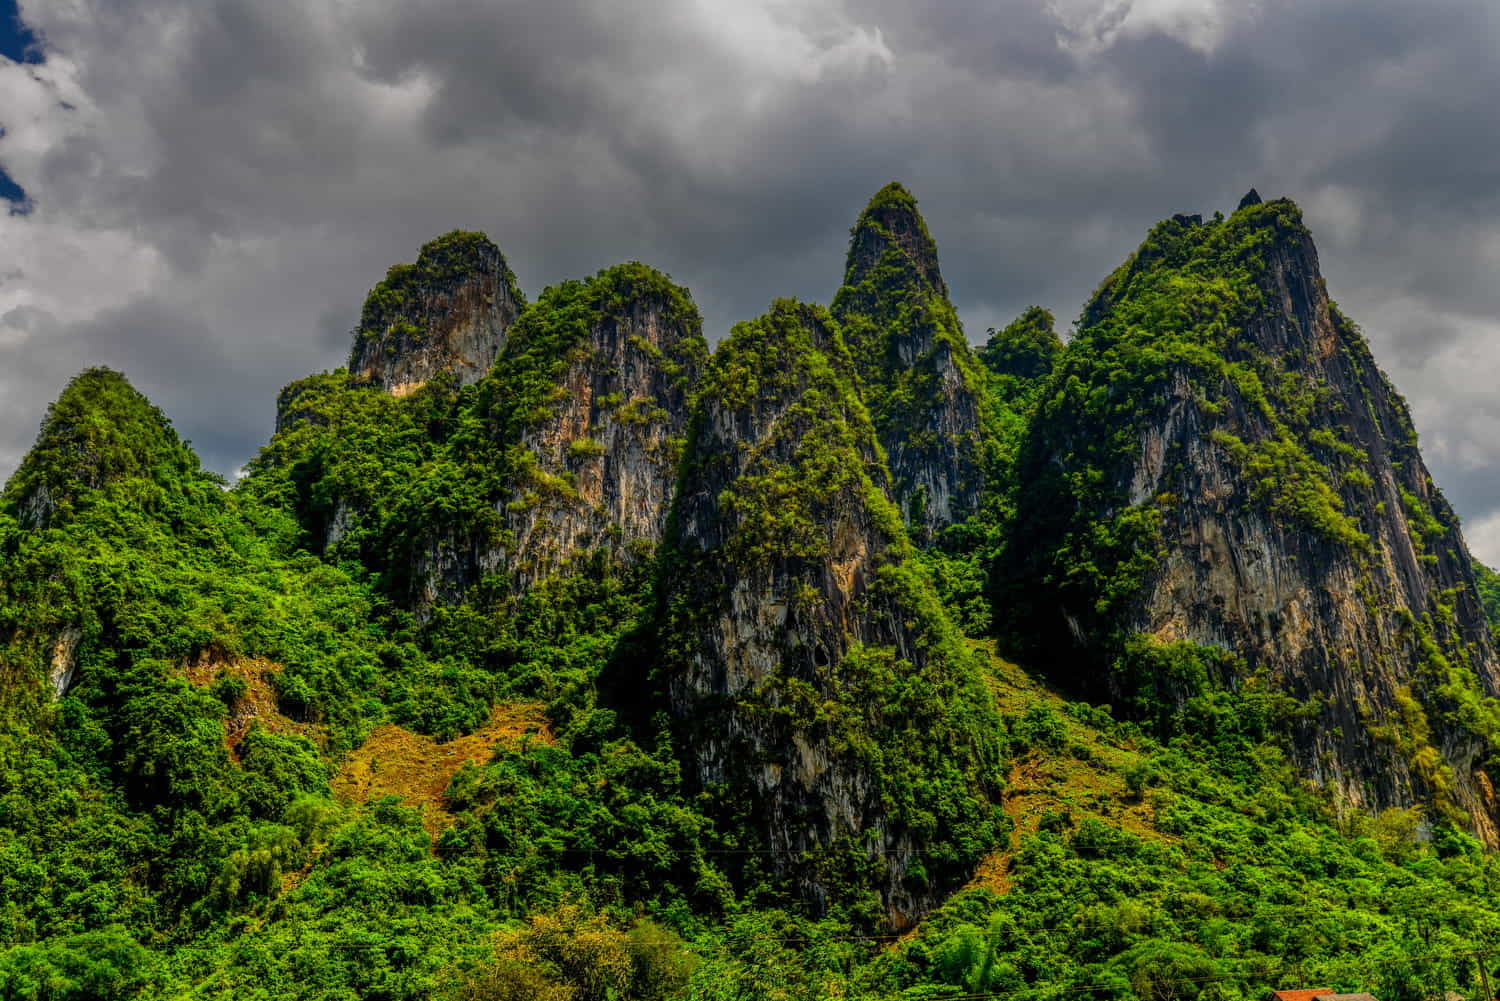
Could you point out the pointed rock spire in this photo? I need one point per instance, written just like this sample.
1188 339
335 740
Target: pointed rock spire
1252 197
891 222
917 372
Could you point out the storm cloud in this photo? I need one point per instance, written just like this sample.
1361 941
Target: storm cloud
213 186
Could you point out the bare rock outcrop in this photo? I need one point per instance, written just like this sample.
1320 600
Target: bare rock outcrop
448 312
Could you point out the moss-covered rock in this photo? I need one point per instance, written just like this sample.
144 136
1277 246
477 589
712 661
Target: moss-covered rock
447 312
924 389
823 698
1217 459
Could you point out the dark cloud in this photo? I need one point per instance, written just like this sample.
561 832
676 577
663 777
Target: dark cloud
237 174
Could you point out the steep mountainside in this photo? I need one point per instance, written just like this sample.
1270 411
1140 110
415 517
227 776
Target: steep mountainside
1219 462
544 656
567 448
448 312
593 391
823 696
920 380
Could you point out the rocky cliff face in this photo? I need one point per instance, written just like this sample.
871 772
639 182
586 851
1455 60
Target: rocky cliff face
807 661
587 409
448 312
1221 462
600 465
923 386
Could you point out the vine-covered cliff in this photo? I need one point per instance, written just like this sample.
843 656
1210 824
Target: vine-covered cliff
1219 462
824 699
924 390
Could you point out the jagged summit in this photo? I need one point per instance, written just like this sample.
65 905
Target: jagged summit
919 377
1252 197
891 221
447 312
1170 242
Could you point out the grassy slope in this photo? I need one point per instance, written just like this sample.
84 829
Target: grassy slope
1199 867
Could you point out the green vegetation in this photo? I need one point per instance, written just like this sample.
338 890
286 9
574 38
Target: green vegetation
310 737
1200 867
1489 595
1024 352
389 310
899 706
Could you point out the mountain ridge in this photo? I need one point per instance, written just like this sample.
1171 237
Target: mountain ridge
750 606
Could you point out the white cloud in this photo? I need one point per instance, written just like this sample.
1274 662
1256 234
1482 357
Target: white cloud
1091 26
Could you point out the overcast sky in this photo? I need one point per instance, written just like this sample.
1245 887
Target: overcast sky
211 187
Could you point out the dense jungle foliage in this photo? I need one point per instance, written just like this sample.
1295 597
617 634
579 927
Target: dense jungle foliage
244 754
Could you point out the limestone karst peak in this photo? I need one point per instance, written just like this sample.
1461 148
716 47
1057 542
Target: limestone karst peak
1256 484
100 434
891 222
920 380
447 312
1252 197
